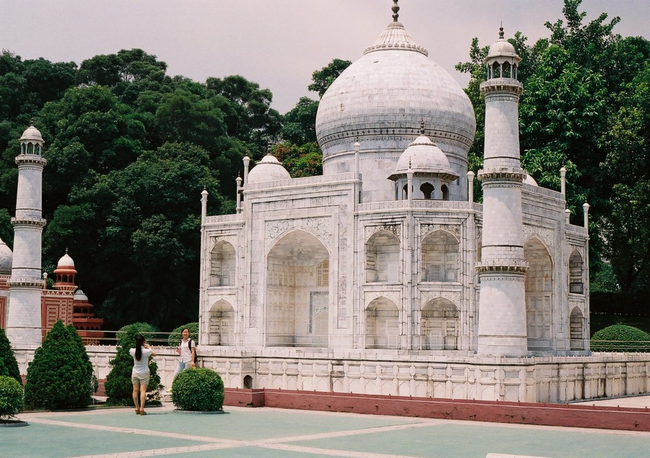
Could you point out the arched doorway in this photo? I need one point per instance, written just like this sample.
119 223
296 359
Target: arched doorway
382 324
382 258
576 284
222 324
297 292
440 323
440 254
222 264
577 329
539 295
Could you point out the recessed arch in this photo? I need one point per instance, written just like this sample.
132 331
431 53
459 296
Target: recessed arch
427 190
576 276
222 264
297 293
222 323
440 257
577 327
440 324
539 294
382 324
382 258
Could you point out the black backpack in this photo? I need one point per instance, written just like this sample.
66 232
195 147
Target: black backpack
190 342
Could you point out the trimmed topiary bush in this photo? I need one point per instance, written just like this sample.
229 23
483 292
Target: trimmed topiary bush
176 335
620 338
59 377
11 397
198 390
147 330
8 363
118 384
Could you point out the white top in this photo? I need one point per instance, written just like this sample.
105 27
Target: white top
186 353
141 367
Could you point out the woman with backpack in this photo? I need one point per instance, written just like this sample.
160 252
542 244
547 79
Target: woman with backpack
187 349
140 373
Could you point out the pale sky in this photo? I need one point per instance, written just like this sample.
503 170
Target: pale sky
277 43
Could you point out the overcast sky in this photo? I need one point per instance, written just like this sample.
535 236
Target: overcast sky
277 43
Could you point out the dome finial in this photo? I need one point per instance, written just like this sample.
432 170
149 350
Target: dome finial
395 9
422 126
501 32
31 121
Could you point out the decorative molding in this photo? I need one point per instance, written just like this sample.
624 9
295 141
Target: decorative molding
426 229
428 296
395 229
545 235
232 239
318 227
370 296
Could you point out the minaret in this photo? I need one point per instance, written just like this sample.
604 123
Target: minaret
24 312
502 271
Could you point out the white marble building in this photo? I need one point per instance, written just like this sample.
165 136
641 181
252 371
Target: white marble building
368 278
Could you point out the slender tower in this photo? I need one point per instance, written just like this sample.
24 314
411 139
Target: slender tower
502 271
24 313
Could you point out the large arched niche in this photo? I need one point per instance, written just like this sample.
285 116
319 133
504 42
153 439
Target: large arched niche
440 324
539 295
222 264
382 324
382 258
222 324
297 292
440 257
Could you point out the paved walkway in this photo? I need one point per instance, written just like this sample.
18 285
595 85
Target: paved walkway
267 432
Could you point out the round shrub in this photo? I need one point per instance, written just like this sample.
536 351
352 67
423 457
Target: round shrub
11 397
621 338
198 390
177 334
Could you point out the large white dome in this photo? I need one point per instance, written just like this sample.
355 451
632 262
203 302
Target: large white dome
382 98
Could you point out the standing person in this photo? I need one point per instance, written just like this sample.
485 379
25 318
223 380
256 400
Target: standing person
140 373
186 350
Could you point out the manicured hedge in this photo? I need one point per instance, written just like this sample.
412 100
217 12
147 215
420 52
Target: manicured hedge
8 363
620 338
198 390
177 334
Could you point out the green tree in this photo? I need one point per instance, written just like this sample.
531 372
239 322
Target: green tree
58 377
299 125
322 79
8 363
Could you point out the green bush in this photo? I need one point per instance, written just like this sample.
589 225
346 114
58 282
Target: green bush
620 338
198 390
11 397
148 331
8 363
177 334
118 384
59 377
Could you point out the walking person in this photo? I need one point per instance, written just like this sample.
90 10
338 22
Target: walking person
140 373
186 348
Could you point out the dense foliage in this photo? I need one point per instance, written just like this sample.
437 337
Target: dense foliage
198 390
8 363
61 375
586 106
118 384
177 334
621 338
11 397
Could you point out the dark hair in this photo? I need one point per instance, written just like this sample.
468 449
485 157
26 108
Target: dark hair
139 341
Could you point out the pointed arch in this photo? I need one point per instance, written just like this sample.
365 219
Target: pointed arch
222 264
222 324
440 325
382 324
382 258
297 301
577 326
576 273
445 192
440 257
539 294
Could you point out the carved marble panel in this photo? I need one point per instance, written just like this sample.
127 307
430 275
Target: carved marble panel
545 235
319 227
452 296
426 229
396 229
370 296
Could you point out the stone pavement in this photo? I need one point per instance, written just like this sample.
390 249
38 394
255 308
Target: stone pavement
268 432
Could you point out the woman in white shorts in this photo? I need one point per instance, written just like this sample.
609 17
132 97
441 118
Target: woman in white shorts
140 373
